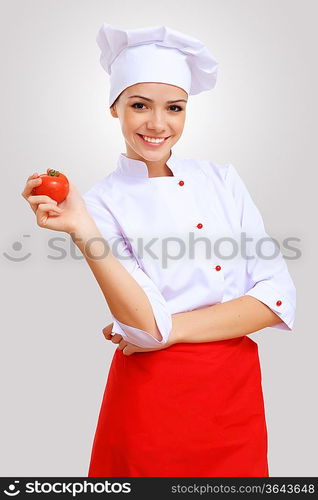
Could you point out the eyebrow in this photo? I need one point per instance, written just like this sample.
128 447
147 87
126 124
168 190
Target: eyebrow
150 100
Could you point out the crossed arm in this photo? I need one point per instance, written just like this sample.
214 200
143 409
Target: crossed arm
230 319
128 302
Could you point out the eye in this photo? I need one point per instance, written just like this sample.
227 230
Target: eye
136 104
179 108
175 106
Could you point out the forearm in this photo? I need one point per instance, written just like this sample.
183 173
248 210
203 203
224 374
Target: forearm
126 299
230 319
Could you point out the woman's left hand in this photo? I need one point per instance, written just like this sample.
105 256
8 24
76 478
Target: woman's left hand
127 347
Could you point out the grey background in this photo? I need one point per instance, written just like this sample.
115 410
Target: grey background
261 117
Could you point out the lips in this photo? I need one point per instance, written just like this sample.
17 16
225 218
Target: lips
154 144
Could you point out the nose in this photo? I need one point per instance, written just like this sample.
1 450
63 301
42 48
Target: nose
157 121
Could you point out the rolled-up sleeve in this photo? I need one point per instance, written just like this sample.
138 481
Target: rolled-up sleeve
267 276
110 230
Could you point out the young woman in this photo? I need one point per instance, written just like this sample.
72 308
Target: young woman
183 395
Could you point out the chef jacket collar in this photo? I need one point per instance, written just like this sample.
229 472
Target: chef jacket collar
130 167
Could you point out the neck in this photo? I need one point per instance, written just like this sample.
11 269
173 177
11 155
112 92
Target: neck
155 168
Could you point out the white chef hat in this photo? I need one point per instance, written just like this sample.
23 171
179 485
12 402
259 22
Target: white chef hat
155 54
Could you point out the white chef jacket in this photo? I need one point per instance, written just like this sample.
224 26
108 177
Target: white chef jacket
160 228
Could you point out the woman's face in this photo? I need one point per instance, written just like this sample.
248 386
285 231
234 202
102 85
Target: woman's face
159 111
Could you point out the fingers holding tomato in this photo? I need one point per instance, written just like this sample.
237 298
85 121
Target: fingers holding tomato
32 181
44 214
56 202
53 184
35 201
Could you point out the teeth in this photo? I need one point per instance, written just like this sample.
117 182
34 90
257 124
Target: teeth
149 139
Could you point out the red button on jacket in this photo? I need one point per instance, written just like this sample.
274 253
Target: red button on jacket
279 303
218 268
199 226
181 183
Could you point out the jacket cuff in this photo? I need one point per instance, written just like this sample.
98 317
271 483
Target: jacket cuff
277 302
139 337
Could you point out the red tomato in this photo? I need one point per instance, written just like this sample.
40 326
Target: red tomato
54 184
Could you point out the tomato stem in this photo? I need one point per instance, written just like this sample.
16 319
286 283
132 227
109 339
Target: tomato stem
52 172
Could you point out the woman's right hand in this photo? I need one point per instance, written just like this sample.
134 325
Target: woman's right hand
66 216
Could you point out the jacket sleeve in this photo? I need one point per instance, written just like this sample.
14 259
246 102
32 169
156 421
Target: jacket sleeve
110 230
268 279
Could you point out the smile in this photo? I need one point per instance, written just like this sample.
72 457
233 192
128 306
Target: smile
153 141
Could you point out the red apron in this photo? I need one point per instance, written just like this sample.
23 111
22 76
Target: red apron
190 410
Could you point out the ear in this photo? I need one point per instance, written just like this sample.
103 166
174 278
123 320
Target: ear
113 111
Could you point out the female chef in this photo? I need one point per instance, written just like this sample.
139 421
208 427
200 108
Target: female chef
181 255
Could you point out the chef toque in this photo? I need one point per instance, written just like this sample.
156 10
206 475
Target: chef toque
158 54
